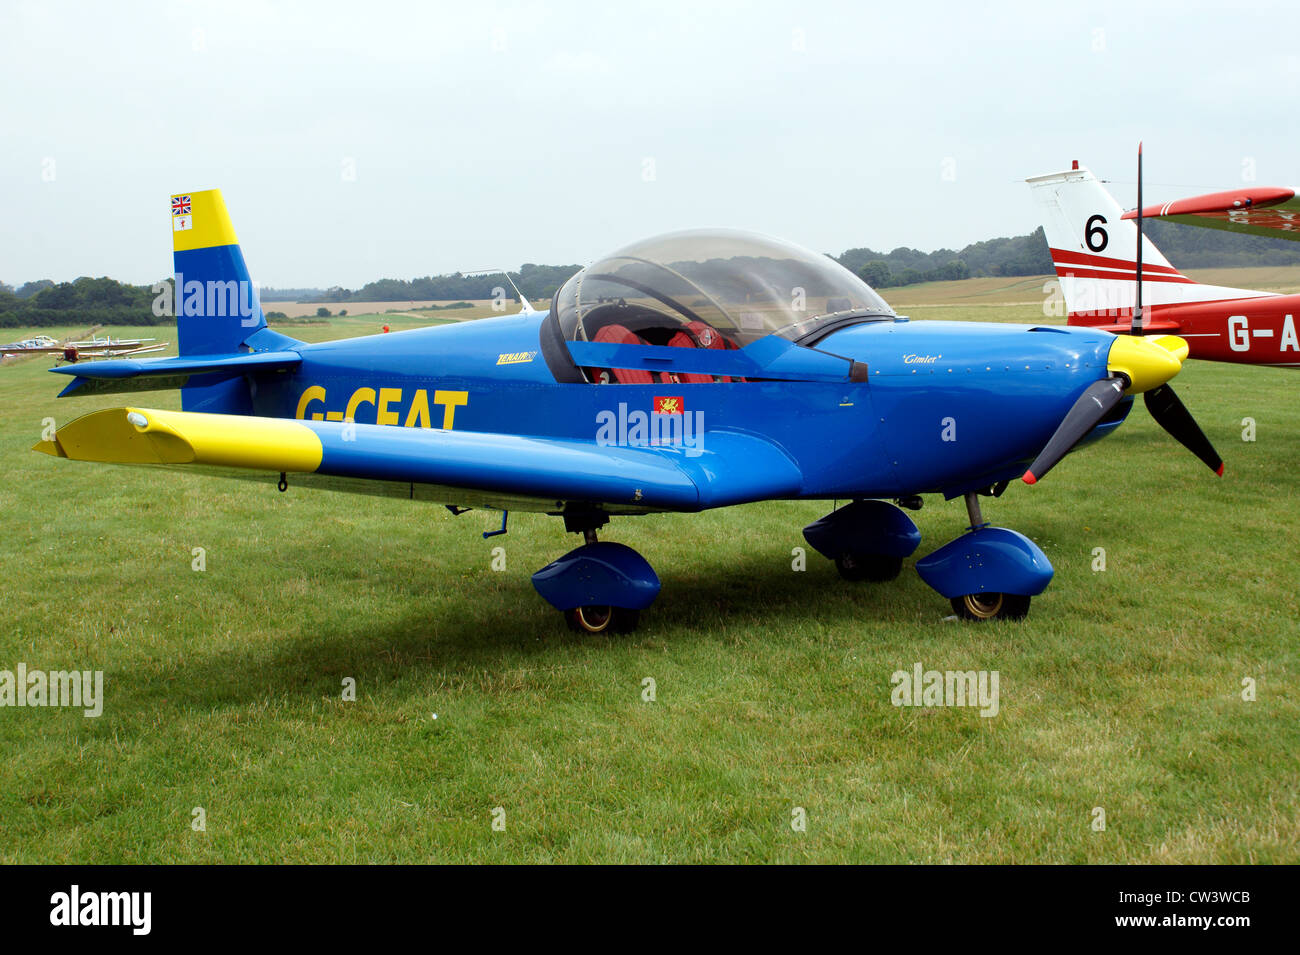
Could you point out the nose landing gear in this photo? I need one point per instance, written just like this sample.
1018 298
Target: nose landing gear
604 619
990 606
989 573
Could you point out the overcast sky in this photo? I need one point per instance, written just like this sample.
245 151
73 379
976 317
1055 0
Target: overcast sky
358 140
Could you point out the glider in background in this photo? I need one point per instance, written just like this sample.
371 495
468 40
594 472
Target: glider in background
73 352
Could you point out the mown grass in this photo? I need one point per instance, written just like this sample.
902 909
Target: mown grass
1122 689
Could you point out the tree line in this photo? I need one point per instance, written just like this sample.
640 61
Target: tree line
1018 255
105 301
536 282
90 301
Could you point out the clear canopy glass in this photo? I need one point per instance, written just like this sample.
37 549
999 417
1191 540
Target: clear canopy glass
741 284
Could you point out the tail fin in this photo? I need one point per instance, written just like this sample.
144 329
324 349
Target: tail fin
1094 251
217 305
218 309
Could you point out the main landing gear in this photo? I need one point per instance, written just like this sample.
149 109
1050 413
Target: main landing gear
600 587
989 573
867 539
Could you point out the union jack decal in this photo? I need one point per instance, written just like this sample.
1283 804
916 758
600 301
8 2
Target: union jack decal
180 205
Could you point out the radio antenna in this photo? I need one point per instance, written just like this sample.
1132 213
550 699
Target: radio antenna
525 306
1136 323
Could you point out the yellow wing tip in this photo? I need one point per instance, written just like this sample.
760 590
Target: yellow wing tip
149 436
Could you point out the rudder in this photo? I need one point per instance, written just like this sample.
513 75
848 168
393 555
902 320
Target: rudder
217 305
218 308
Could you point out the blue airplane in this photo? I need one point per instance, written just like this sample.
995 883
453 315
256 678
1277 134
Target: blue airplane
689 371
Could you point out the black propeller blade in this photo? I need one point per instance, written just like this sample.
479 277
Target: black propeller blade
1093 405
1173 416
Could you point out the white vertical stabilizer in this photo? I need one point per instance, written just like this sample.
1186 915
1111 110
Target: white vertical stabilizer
1094 251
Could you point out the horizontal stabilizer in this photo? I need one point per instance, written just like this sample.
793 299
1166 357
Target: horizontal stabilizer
156 374
1254 210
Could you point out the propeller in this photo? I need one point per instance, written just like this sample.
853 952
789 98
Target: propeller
1093 405
1136 364
1172 415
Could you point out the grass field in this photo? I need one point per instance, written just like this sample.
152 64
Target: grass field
1122 690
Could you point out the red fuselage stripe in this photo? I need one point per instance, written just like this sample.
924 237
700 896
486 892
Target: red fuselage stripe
1071 271
1060 256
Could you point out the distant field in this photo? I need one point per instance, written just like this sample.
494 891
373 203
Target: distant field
988 292
1122 691
1273 278
303 309
1012 299
1022 299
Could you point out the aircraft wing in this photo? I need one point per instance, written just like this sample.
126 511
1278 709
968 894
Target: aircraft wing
126 374
88 351
1263 210
452 467
112 342
120 352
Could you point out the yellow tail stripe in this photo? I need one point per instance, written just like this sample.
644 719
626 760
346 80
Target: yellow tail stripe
200 221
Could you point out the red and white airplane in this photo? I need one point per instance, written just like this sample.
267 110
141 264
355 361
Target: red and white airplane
1094 245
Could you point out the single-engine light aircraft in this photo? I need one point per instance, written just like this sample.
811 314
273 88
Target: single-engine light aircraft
688 371
1107 268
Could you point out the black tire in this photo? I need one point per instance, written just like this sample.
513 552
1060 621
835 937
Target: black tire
602 619
990 606
874 567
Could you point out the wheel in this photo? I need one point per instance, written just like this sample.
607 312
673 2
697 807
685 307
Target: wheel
602 619
859 566
991 606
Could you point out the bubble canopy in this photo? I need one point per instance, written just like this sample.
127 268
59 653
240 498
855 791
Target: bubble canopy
741 284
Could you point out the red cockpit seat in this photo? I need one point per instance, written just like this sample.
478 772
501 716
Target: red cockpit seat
620 335
683 340
709 337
